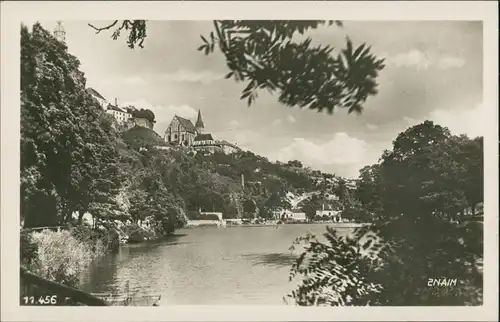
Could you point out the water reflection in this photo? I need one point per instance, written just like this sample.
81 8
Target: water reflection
210 266
272 259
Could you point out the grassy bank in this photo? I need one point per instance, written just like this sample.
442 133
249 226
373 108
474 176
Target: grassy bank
61 256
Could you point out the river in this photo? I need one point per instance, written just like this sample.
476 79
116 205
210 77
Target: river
204 266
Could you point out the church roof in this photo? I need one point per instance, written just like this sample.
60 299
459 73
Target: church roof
186 124
204 137
199 121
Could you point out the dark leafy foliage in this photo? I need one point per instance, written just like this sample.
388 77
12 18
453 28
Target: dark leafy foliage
417 196
68 162
267 55
143 113
29 250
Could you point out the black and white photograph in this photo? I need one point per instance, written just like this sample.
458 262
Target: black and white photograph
254 162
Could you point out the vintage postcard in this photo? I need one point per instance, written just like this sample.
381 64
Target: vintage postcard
303 161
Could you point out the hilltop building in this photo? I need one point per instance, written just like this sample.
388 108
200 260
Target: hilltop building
121 115
182 131
59 32
200 127
124 116
103 102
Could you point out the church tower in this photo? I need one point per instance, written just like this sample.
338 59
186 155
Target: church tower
199 124
59 32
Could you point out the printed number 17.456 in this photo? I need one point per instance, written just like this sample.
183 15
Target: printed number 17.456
43 300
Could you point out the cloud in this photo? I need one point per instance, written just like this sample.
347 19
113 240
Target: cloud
234 123
133 80
421 60
342 150
291 119
411 121
164 114
448 62
371 126
469 121
458 121
412 58
277 122
250 140
185 75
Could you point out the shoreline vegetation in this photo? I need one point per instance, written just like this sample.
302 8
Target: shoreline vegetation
418 200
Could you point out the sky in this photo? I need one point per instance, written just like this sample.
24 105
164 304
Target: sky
433 72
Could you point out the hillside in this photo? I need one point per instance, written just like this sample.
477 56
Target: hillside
118 175
138 136
239 184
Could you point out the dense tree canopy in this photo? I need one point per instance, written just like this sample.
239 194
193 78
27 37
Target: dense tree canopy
68 162
267 55
417 196
144 113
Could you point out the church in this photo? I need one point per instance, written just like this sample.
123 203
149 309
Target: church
182 132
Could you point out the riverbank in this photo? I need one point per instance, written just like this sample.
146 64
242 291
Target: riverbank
222 224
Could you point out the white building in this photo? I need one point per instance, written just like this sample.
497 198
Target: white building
102 101
218 214
291 215
330 212
299 216
120 115
228 148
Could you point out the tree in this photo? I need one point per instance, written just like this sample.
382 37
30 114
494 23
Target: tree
150 198
67 160
369 189
267 55
419 193
310 206
275 202
471 154
421 175
294 163
144 113
249 208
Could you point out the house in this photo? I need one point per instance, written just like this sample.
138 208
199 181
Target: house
212 213
299 216
282 214
205 142
290 215
333 213
95 94
120 115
